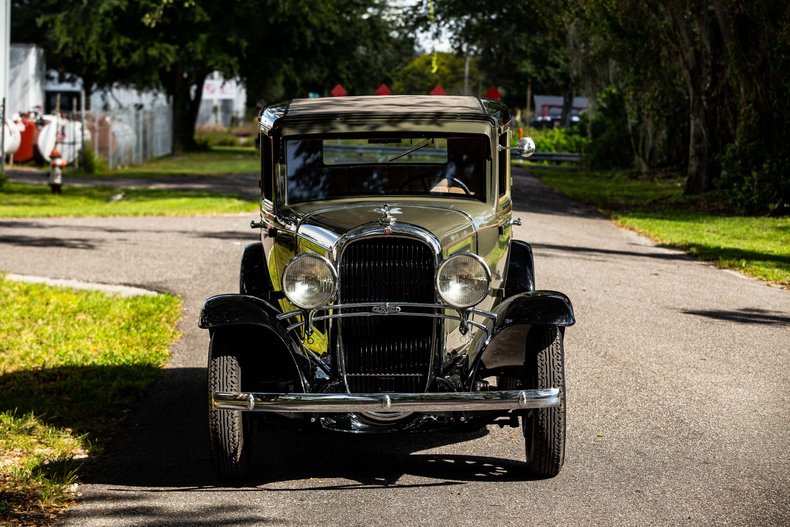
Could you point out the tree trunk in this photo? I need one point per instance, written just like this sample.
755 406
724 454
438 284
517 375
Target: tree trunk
695 47
185 108
697 180
567 105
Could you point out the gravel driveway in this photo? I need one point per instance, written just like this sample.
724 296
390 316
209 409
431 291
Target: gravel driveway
678 393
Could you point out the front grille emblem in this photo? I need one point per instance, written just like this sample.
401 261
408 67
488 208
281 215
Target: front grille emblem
385 309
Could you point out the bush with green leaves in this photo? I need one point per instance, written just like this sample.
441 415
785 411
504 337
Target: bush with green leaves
3 179
90 163
571 139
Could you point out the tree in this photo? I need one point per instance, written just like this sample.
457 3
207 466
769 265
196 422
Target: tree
417 76
278 48
144 43
309 46
517 44
75 50
715 72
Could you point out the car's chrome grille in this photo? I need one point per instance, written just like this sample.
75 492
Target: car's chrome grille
381 353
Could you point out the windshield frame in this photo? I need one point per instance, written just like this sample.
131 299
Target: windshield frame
487 160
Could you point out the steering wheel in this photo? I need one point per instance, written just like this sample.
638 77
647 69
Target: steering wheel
453 182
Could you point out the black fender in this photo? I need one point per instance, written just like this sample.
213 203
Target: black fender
229 310
515 316
254 278
520 276
535 307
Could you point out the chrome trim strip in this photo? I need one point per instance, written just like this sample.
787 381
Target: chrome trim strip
398 230
387 402
374 314
270 115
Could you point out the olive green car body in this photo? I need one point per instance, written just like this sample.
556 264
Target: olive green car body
478 355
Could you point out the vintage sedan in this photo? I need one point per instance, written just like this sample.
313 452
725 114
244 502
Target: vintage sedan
386 293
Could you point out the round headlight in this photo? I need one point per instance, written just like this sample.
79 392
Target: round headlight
463 280
309 281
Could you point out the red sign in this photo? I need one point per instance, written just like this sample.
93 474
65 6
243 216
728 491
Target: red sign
438 90
339 91
383 90
493 93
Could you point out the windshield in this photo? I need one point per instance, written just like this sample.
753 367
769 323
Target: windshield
424 164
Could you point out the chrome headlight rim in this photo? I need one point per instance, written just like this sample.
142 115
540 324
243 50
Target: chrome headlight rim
444 263
332 271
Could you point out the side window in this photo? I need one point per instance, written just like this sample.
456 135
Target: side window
266 166
503 164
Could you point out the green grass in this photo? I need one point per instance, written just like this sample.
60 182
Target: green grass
72 363
758 246
218 160
20 200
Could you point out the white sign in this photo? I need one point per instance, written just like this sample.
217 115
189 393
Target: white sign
220 89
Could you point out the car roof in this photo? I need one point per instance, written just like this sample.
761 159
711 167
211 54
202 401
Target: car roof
397 107
387 104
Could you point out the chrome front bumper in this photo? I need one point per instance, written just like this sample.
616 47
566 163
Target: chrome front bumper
386 402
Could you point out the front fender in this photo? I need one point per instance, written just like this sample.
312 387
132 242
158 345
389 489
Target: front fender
505 350
535 307
234 310
244 310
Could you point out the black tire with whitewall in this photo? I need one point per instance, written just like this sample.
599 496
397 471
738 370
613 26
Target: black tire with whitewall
544 428
230 431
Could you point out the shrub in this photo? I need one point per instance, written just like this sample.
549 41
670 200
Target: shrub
755 175
3 179
90 163
571 139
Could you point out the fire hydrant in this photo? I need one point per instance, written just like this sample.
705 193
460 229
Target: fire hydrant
57 164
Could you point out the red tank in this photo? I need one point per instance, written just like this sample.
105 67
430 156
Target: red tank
29 138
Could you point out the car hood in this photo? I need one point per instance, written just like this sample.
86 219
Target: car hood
325 225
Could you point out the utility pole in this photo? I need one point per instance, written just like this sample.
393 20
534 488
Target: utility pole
5 51
466 75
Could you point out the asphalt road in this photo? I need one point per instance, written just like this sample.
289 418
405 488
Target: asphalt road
678 394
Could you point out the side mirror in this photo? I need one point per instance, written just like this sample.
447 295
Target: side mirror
525 147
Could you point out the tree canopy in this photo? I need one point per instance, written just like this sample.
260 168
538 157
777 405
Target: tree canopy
417 76
698 86
279 49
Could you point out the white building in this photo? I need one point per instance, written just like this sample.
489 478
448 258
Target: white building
26 79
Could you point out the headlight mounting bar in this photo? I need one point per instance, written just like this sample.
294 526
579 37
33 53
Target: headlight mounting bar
378 309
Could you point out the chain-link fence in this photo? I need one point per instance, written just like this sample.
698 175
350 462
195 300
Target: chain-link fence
130 136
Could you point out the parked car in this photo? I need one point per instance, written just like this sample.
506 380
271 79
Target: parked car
386 293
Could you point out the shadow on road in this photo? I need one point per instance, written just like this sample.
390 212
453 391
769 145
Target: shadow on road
612 252
245 185
20 240
745 316
163 442
24 240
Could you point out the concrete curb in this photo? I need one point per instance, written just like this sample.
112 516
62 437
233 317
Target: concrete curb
120 290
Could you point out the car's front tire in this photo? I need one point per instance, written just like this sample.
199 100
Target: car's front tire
544 428
230 431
